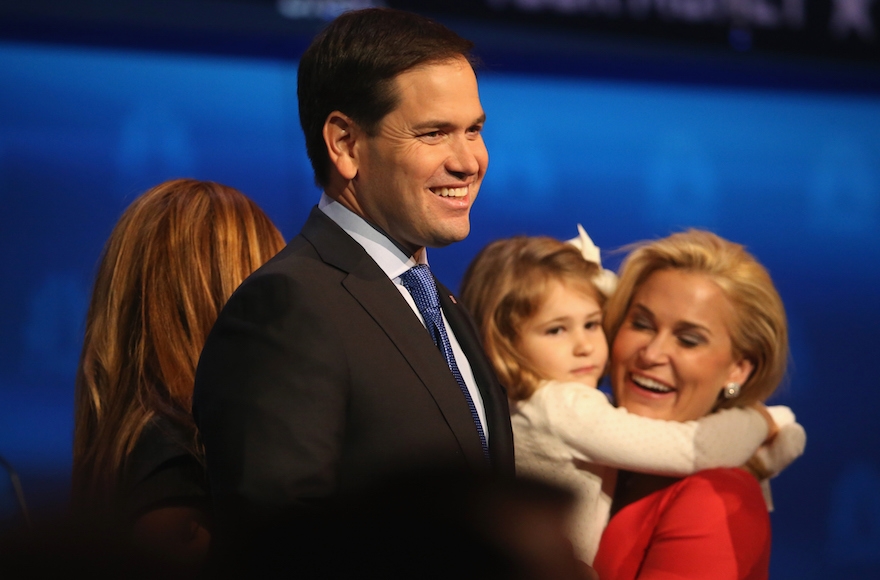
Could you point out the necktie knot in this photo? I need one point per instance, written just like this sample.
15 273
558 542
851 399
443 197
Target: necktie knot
420 284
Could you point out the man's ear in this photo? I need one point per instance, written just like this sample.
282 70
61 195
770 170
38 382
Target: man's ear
340 137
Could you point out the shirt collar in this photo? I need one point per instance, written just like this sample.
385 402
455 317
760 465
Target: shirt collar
384 252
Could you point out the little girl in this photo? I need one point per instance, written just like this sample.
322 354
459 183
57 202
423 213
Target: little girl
538 303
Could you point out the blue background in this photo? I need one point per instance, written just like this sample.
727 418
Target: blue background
792 174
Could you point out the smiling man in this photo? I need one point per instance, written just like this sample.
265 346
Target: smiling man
332 366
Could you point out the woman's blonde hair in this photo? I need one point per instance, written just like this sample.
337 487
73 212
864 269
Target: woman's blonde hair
758 332
506 284
171 262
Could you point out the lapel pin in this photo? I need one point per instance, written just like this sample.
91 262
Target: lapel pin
451 297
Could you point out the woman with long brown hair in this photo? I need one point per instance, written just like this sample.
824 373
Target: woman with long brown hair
173 259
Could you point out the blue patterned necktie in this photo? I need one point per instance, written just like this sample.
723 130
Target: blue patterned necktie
420 283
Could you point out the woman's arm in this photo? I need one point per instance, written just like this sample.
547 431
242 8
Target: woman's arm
175 538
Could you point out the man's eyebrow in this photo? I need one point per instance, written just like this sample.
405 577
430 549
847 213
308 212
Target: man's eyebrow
437 123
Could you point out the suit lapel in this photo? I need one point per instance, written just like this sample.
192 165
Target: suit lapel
368 284
494 396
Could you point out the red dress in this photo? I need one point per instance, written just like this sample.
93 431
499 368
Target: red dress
713 524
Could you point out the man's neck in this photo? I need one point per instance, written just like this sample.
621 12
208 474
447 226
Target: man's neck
348 200
391 258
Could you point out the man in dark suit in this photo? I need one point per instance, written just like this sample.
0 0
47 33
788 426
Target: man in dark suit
323 373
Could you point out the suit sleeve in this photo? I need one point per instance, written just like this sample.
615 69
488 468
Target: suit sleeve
270 401
597 432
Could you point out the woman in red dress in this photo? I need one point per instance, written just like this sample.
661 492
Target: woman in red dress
696 325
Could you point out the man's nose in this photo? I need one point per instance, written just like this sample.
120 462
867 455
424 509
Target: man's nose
464 159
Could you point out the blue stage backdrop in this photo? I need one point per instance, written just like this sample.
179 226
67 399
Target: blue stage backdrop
795 176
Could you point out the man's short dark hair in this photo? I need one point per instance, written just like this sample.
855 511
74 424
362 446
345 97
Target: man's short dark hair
351 65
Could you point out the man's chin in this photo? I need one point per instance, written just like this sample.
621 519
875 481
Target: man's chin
448 238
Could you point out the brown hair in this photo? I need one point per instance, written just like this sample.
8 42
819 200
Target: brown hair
350 67
758 333
175 256
506 284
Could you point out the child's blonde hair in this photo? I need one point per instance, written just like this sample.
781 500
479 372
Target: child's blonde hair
506 284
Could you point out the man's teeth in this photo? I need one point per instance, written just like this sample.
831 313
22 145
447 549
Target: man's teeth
451 191
651 385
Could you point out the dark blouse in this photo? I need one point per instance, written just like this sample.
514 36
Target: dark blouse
162 471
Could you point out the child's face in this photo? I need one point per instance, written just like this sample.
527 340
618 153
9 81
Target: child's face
564 339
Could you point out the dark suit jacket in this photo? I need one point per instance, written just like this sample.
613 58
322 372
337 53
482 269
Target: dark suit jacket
318 379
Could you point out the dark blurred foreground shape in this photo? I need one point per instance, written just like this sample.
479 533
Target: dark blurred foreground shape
425 525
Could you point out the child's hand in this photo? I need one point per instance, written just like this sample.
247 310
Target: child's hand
784 444
772 423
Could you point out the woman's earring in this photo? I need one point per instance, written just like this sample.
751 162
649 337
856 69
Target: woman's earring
731 390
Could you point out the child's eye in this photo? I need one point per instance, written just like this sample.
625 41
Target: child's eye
553 330
593 325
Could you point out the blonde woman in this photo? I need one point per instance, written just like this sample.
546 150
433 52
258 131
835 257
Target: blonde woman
538 303
695 326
